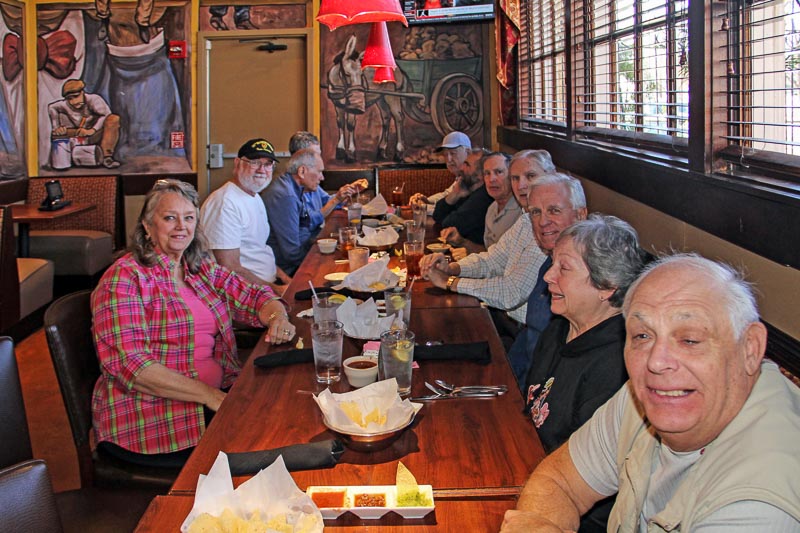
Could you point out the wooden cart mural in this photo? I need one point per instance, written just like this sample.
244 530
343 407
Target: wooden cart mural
434 94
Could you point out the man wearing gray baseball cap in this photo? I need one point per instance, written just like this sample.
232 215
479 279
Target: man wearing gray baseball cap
456 146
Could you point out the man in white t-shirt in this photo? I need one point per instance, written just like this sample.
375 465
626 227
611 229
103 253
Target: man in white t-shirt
234 218
704 435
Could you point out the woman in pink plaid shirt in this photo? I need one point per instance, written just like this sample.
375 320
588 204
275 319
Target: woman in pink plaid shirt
164 335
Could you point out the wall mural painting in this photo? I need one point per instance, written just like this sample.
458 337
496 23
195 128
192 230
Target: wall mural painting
252 17
438 89
110 98
12 93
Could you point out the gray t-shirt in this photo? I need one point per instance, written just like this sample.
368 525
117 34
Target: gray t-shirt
593 449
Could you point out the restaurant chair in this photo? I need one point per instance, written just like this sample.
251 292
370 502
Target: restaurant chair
68 328
27 502
14 428
81 245
26 284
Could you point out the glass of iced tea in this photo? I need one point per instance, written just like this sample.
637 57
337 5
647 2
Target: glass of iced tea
397 196
347 238
413 252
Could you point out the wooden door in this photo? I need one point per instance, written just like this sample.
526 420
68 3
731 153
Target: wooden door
251 92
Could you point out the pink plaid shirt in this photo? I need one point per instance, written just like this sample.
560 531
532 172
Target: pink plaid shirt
140 319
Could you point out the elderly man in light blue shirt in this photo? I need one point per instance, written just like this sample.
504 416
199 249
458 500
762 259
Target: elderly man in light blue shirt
297 207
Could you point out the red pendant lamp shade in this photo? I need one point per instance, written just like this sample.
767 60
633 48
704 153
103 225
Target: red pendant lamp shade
335 13
378 52
384 75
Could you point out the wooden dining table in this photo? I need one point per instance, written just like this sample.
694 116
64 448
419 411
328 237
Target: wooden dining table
476 453
24 214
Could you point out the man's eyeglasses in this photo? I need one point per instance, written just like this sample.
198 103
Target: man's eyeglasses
262 163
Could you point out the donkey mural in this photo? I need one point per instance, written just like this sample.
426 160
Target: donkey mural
352 92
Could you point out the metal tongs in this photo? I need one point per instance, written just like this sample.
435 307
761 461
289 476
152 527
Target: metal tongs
472 392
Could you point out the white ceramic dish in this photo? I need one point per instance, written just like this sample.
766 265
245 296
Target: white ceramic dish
371 513
438 247
336 276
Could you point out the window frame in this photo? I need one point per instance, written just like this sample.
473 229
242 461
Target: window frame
701 188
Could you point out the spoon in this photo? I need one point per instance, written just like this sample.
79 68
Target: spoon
450 388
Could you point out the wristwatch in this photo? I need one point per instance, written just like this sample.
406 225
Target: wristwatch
450 282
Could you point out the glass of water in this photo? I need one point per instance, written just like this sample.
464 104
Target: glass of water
326 339
398 303
325 305
396 356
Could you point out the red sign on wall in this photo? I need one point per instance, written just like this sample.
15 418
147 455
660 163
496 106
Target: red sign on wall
177 50
176 139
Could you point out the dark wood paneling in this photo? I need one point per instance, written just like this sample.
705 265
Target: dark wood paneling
139 184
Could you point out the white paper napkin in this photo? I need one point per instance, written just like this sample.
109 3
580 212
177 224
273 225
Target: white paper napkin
385 236
270 492
362 320
370 274
376 207
381 394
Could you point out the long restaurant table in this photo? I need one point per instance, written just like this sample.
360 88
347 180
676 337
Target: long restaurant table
467 449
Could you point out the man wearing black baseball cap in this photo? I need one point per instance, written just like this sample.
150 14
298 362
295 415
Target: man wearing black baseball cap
85 115
235 221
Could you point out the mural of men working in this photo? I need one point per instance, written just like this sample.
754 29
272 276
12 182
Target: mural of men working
83 119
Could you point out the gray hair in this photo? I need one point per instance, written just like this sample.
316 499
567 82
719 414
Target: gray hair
542 157
302 139
734 292
302 158
142 246
577 198
610 249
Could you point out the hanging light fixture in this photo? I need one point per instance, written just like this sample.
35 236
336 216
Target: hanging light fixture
378 52
336 13
384 75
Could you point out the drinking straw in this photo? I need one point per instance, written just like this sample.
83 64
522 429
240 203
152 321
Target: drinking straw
403 186
408 289
316 298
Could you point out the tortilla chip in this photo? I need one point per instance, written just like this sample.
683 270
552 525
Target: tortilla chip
353 412
375 416
205 523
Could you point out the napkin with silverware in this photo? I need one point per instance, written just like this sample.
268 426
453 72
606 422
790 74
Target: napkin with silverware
305 456
287 357
470 351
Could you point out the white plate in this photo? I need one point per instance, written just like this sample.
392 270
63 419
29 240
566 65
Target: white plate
336 276
438 247
371 513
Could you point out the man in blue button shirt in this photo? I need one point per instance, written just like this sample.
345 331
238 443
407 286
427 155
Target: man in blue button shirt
297 207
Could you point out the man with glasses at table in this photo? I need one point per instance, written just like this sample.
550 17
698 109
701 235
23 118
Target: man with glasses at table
235 222
297 207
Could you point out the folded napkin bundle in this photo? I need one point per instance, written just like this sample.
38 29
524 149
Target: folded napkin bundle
288 357
308 456
477 352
